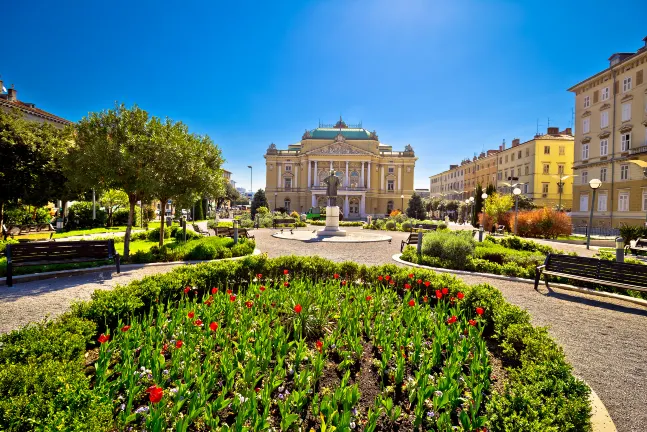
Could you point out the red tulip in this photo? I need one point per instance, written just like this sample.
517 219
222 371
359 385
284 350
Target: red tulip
472 323
412 302
285 271
445 291
198 322
380 278
387 277
319 345
479 310
178 344
191 314
104 338
343 283
407 286
391 282
286 284
427 283
411 276
336 276
425 299
259 276
187 289
452 320
419 281
257 389
298 308
232 298
460 295
452 299
249 304
214 290
439 295
155 393
369 298
125 328
229 291
213 326
262 288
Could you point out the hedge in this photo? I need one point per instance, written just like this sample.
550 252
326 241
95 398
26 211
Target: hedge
43 384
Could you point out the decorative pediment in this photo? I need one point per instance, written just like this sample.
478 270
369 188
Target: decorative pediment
340 138
586 139
626 128
605 106
627 97
338 148
604 134
586 114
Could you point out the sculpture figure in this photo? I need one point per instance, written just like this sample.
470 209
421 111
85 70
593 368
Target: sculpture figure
332 182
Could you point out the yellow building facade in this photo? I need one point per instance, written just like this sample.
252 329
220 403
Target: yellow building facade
375 179
538 166
611 115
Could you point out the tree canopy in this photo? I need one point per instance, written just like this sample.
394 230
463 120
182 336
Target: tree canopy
415 208
496 205
113 200
259 200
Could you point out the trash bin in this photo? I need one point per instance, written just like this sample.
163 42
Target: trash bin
169 221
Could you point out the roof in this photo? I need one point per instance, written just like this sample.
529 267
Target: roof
28 108
331 133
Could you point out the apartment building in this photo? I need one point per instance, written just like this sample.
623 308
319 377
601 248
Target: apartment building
9 102
541 167
448 184
459 181
611 114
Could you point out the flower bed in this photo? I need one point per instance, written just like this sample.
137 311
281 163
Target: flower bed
290 343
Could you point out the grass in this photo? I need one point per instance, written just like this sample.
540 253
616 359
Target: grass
73 233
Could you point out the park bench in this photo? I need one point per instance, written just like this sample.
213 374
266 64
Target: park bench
637 246
42 253
197 229
500 229
283 221
229 232
593 270
425 227
412 239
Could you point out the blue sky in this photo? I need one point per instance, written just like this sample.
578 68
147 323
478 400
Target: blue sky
450 78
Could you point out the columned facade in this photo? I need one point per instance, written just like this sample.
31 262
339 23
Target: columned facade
373 176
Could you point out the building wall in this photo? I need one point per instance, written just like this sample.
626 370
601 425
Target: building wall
602 122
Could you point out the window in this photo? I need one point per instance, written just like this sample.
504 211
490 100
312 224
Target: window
625 142
288 183
391 170
623 201
546 149
562 150
286 204
546 169
527 170
585 177
585 151
525 188
626 111
626 84
519 155
518 171
499 176
560 169
544 190
506 158
624 172
604 119
506 174
584 202
501 160
389 207
527 152
587 101
602 202
586 125
288 167
605 93
604 147
603 174
644 200
390 185
512 157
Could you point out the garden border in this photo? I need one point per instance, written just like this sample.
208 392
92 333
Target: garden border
641 302
124 267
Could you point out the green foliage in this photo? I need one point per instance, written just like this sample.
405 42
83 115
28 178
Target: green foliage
477 205
259 200
80 216
154 234
632 232
199 214
114 200
497 204
517 243
451 246
416 209
390 225
26 215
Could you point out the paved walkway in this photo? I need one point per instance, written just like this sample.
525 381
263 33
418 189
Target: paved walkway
605 340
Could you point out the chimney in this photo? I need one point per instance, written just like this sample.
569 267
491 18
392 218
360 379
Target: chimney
1 85
12 94
553 130
567 131
503 145
515 142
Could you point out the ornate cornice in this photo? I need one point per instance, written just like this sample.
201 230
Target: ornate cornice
586 113
586 139
605 106
604 134
338 148
626 128
627 97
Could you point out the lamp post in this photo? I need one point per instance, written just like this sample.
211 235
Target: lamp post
484 197
275 198
595 185
251 184
402 208
467 209
472 204
560 187
516 192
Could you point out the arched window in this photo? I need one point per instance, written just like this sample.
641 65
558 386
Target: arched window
354 179
389 207
286 204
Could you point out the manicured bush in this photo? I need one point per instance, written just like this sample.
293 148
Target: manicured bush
390 225
26 215
80 216
541 223
453 247
406 226
632 232
154 234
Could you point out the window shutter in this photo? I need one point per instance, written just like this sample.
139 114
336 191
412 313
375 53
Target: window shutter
596 95
616 87
639 77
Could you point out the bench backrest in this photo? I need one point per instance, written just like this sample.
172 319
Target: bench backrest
61 251
611 271
283 221
641 242
413 238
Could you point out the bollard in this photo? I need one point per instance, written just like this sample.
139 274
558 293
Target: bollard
419 245
620 249
481 234
235 232
184 228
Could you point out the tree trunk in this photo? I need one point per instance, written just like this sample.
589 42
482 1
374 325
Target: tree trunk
132 199
1 212
163 202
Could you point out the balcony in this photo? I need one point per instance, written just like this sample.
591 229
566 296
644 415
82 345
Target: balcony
638 150
340 188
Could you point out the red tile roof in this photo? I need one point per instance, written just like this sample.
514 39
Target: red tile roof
33 111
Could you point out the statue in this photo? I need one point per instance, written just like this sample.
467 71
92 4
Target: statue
332 181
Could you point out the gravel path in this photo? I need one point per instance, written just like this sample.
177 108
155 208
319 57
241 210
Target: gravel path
605 340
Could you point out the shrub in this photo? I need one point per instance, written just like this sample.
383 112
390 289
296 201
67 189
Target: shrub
394 213
541 223
295 214
80 216
178 234
390 225
25 215
632 232
154 234
453 247
406 226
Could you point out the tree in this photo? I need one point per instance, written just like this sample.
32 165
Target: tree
478 205
31 156
259 200
114 149
415 208
230 194
199 215
496 205
491 189
113 200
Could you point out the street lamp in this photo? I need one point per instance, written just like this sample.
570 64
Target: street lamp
402 208
560 187
595 185
251 185
484 196
472 203
275 198
516 192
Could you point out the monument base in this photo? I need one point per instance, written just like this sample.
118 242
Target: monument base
332 223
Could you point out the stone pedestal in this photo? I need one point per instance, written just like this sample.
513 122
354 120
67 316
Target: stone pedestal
332 223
